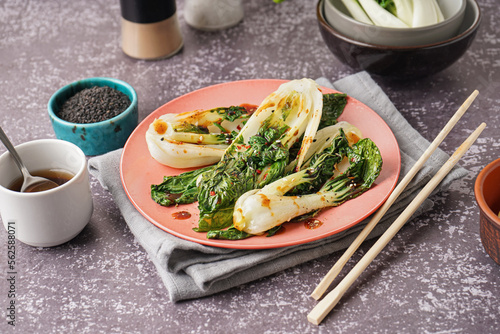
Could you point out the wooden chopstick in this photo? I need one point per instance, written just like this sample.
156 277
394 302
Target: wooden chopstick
332 274
319 312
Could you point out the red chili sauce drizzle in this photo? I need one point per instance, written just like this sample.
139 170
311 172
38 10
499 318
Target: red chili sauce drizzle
181 215
312 223
249 107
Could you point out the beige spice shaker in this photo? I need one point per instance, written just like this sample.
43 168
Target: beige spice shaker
150 29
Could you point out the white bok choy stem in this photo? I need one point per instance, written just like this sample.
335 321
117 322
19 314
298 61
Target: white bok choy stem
426 12
356 11
380 16
252 215
404 11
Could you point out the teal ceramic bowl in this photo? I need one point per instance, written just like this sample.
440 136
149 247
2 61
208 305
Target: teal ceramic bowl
99 137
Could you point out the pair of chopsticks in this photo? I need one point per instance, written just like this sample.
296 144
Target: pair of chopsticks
320 311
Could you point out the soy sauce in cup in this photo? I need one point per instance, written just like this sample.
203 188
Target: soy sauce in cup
53 217
59 176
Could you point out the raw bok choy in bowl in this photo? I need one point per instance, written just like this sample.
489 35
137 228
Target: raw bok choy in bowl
396 22
397 13
290 150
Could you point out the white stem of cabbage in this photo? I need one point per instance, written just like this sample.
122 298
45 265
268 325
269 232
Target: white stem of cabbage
426 12
380 16
404 11
357 11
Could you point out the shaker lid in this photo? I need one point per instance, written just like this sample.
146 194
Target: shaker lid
147 11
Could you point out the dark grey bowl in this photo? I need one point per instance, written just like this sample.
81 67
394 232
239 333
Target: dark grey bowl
401 62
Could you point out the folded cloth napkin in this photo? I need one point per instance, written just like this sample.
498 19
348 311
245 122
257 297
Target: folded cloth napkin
190 270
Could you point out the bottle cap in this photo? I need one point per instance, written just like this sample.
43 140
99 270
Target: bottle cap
147 11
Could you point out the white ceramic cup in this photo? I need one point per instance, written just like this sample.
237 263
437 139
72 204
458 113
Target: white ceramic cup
52 217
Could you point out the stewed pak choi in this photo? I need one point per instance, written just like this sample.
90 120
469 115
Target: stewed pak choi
288 159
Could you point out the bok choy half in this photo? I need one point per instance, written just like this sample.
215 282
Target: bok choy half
263 209
194 138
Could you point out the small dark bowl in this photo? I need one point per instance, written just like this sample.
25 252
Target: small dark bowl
487 191
401 62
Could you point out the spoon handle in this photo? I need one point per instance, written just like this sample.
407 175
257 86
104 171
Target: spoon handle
17 159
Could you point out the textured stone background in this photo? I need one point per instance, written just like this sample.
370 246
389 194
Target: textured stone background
434 277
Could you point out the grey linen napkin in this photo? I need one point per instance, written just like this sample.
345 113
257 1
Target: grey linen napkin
190 270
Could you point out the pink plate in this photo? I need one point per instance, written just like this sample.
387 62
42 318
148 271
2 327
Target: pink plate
139 170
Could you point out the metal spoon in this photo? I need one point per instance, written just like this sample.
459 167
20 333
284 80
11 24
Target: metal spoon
30 183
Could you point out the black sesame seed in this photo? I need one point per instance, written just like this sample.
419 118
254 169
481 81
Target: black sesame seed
94 104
